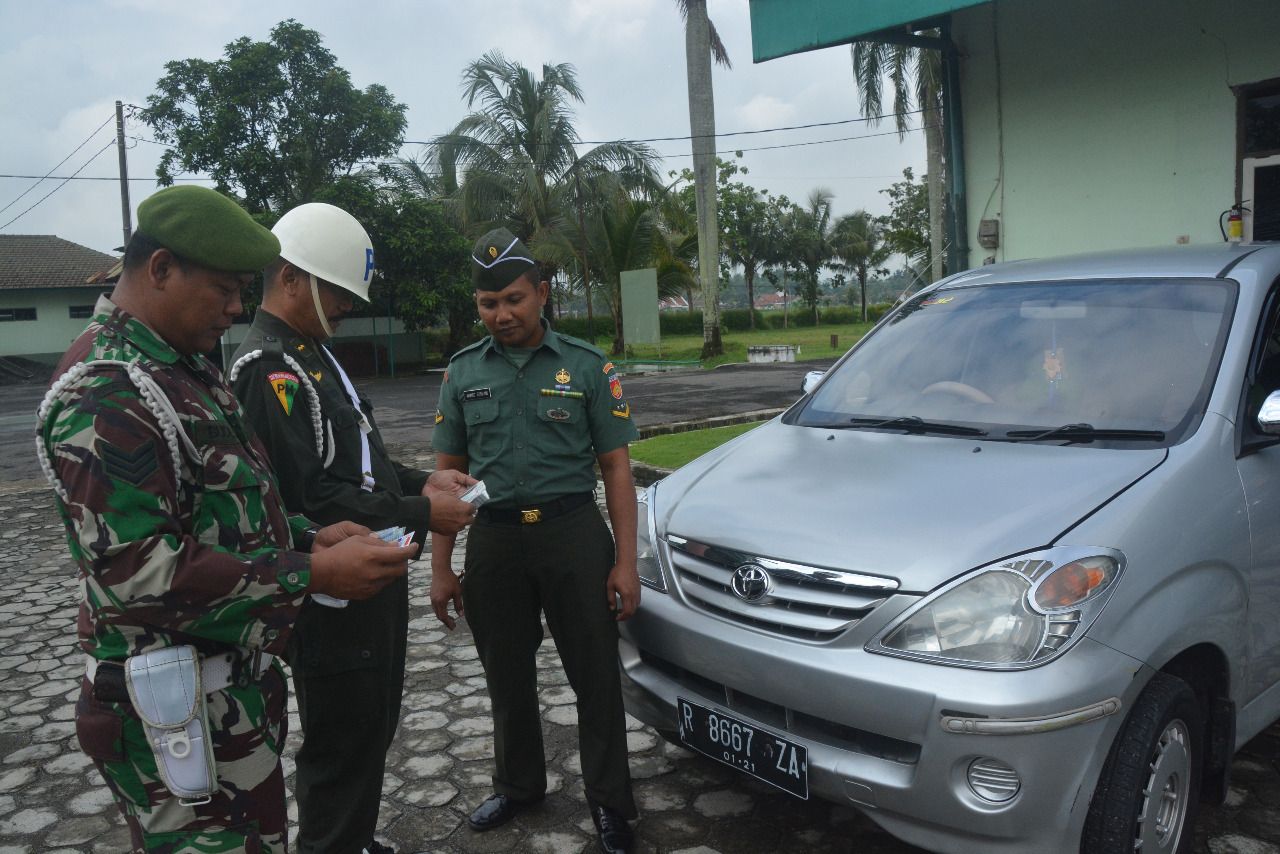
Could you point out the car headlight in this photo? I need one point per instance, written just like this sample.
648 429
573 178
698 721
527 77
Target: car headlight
647 561
1017 613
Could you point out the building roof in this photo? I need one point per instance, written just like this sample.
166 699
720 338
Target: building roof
782 27
46 261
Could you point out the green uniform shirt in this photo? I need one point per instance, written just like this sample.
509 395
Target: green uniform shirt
532 433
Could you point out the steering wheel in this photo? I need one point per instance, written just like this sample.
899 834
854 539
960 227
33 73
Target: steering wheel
964 390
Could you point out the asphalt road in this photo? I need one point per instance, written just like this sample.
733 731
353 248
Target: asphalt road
404 406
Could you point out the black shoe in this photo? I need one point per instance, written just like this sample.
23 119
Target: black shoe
497 810
615 833
376 847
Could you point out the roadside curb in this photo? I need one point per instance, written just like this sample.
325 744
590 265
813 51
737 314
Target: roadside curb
646 474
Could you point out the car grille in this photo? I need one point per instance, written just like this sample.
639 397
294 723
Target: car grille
804 602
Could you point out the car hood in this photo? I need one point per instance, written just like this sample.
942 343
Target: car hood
921 509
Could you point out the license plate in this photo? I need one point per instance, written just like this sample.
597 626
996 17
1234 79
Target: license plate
760 753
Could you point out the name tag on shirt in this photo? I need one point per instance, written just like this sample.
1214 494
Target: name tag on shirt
477 394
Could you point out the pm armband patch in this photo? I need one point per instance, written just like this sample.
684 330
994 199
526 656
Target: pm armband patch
285 386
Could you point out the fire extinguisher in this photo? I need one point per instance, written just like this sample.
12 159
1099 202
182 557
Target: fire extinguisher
1233 230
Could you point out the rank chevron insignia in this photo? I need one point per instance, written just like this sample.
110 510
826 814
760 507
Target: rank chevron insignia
132 467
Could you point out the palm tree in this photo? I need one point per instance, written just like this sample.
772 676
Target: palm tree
811 242
627 234
701 43
513 162
915 73
858 241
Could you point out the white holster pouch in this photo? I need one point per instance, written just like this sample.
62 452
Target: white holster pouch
165 688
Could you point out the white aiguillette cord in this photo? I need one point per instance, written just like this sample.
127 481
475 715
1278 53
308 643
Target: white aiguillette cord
366 461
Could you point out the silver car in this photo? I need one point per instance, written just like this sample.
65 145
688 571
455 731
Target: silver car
1008 577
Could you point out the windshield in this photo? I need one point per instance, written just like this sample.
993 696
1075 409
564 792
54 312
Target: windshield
1109 363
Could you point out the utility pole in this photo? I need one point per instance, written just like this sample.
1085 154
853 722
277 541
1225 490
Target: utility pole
125 217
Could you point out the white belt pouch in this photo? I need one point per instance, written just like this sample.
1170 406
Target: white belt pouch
165 688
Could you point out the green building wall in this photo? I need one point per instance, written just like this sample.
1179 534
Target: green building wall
1106 124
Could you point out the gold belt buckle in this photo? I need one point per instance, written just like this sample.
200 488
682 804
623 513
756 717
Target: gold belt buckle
528 517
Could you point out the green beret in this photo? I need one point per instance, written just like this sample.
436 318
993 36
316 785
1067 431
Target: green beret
207 228
498 259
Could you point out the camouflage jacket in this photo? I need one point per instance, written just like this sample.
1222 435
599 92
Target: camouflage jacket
172 513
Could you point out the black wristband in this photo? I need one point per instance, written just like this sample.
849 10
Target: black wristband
305 541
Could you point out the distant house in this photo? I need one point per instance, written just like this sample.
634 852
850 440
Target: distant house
673 304
48 287
769 302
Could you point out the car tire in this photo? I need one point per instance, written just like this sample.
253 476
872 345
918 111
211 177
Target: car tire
1160 750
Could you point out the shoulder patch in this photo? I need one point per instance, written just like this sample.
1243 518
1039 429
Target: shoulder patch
285 385
621 410
615 387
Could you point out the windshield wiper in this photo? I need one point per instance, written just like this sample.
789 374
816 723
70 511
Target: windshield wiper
916 424
1084 433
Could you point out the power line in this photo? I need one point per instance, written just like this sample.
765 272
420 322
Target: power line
98 178
60 186
63 160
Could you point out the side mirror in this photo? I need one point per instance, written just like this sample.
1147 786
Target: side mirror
812 378
1269 415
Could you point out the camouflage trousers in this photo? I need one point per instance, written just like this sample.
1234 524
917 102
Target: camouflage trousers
247 814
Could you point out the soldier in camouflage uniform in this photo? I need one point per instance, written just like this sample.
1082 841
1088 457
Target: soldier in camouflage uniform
176 523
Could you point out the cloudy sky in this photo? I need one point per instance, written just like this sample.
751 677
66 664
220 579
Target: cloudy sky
66 62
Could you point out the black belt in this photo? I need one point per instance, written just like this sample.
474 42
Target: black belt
542 512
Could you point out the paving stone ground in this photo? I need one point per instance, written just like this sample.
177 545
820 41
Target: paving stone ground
51 799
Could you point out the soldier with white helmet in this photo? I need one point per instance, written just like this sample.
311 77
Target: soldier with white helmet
347 658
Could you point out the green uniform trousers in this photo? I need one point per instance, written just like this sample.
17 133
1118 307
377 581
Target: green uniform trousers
348 669
514 573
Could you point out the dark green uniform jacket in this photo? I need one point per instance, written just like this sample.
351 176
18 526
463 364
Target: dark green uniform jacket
348 663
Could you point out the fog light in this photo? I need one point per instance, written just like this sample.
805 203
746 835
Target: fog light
992 780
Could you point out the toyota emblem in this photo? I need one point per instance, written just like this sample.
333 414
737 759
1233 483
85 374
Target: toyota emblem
750 582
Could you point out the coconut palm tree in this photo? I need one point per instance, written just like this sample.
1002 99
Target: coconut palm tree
916 77
628 234
811 242
514 162
858 241
701 43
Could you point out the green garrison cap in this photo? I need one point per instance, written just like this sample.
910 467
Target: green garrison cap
207 228
498 259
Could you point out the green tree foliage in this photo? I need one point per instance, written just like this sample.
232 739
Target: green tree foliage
858 241
513 162
906 227
915 74
273 122
809 243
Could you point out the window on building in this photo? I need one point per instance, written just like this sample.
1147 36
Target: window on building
80 312
17 314
1261 105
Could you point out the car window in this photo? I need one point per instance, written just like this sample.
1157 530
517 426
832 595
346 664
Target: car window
1136 355
1264 374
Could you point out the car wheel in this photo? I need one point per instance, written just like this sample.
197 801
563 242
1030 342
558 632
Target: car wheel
1147 793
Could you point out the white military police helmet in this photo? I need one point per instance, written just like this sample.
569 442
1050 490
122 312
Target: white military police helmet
328 243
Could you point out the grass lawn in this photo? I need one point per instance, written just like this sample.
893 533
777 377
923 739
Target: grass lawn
814 343
675 449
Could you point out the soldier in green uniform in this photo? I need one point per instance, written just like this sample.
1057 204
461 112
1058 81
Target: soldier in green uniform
176 523
347 658
530 412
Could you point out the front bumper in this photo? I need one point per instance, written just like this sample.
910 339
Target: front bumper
897 737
